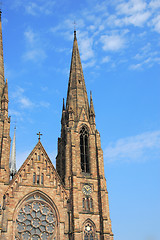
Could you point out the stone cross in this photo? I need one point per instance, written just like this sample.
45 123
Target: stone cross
39 134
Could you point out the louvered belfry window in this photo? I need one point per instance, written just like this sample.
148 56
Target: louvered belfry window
84 150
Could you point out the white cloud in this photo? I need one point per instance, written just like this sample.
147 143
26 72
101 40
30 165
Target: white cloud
154 4
106 59
136 66
30 36
44 104
131 7
35 49
146 57
21 99
89 64
137 148
137 20
35 9
14 112
112 42
35 55
156 23
25 102
86 47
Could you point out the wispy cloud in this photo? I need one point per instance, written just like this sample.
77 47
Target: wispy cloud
35 55
21 99
41 8
25 102
145 57
30 36
44 104
89 64
86 46
33 8
112 42
137 148
113 31
106 59
156 23
155 4
136 66
35 49
131 7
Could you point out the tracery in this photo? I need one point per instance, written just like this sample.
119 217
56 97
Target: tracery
84 150
36 220
89 231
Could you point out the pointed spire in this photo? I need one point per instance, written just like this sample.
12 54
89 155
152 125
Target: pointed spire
92 112
1 59
77 94
12 162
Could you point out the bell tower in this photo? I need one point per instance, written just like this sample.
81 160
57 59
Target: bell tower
80 160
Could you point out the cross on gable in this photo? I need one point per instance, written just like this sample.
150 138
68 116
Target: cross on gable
39 134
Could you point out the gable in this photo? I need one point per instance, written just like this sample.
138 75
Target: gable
83 117
37 171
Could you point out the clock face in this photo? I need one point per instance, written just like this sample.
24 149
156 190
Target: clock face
87 189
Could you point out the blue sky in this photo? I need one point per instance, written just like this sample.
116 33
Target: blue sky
119 43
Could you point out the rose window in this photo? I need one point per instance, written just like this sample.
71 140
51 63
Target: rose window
36 220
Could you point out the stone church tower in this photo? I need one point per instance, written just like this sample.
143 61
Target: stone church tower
66 203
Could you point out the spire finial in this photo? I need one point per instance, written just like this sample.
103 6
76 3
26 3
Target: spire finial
75 30
39 134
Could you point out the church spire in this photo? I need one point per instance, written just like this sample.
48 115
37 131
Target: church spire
77 94
1 59
12 163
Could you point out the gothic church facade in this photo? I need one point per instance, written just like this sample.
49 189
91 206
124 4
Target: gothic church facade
66 203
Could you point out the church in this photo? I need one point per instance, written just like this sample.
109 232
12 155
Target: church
69 202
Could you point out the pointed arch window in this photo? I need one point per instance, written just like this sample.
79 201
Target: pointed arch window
89 231
84 150
34 178
42 178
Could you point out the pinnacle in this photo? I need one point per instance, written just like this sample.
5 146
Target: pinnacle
91 105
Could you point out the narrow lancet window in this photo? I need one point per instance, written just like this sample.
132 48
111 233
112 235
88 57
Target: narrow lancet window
83 203
38 178
42 178
34 178
84 150
91 203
